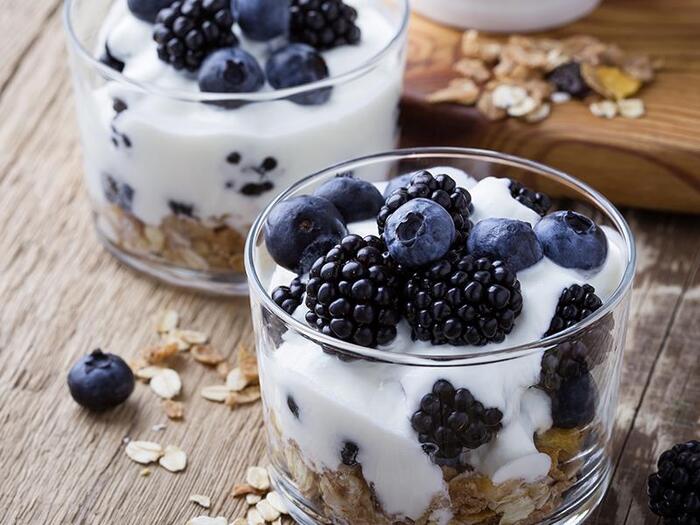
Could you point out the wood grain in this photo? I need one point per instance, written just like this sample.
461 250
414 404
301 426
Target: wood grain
648 163
63 295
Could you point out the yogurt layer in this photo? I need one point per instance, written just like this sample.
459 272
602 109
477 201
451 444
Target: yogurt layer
370 404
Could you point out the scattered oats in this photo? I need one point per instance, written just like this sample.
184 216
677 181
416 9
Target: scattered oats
560 97
173 338
144 452
540 113
239 521
242 489
206 355
159 427
631 107
208 520
505 96
159 353
192 336
148 372
145 472
488 109
528 105
604 109
257 478
223 369
173 459
267 511
137 364
216 393
235 380
254 517
168 321
277 502
472 68
166 383
248 362
173 409
460 90
248 395
202 501
252 499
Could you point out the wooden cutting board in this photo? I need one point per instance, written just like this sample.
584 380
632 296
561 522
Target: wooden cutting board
653 162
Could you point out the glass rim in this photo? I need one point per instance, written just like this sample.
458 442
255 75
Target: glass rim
436 358
197 96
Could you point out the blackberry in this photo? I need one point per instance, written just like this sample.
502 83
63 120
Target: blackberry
534 200
575 304
353 292
323 24
462 300
188 30
674 491
441 189
449 421
289 297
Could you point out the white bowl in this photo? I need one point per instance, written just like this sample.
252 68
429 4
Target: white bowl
505 15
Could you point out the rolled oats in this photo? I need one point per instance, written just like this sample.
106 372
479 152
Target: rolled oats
506 96
173 409
560 97
267 511
205 354
208 520
223 369
254 517
168 321
192 337
247 395
277 502
604 109
631 107
539 113
173 459
155 355
148 372
526 106
172 338
257 478
248 362
201 500
216 393
235 380
166 383
143 452
159 427
252 499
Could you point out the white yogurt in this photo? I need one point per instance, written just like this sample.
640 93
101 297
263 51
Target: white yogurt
371 403
178 150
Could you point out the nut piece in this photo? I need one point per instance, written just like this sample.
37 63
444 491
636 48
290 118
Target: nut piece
267 511
173 409
168 321
202 501
242 489
144 452
216 393
247 395
206 355
277 502
631 107
257 478
235 380
174 459
254 517
208 520
460 90
166 383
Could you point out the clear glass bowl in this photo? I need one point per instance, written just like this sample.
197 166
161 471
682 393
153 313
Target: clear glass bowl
176 178
338 415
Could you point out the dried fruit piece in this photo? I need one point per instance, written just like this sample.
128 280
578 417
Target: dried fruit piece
257 478
618 83
144 452
201 500
167 383
205 354
173 459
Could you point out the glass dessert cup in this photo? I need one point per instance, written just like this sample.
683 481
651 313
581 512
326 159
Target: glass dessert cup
338 416
177 177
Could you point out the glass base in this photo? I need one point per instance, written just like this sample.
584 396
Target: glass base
210 282
577 505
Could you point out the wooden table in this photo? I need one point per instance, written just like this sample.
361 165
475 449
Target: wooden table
62 296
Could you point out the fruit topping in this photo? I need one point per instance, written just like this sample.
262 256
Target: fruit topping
402 181
110 60
462 300
118 192
509 240
262 20
297 65
230 70
293 407
534 200
419 232
353 292
323 24
450 420
674 491
356 199
567 78
575 304
572 240
100 381
147 10
289 297
348 454
565 376
181 208
441 189
188 30
301 229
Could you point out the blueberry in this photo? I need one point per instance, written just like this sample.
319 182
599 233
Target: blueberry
301 229
573 404
567 78
419 232
401 181
118 192
147 10
296 65
100 381
509 240
262 19
230 70
356 199
572 240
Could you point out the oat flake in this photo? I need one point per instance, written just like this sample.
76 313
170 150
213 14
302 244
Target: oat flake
604 109
208 520
166 383
267 511
144 452
254 517
168 321
631 107
174 459
235 380
252 499
216 393
257 478
277 502
202 501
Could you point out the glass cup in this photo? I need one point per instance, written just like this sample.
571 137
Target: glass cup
339 416
176 178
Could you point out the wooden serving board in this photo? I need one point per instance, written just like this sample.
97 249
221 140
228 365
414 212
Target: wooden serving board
653 162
